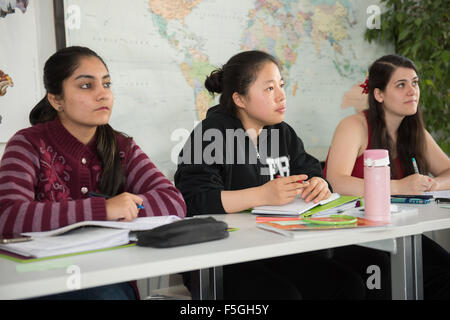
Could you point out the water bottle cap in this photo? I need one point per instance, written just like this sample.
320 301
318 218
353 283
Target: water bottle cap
376 158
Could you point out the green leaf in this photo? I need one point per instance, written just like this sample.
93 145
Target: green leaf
403 34
415 48
435 54
429 82
445 56
437 72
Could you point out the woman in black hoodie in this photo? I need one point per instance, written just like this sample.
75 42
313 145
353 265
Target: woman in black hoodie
230 163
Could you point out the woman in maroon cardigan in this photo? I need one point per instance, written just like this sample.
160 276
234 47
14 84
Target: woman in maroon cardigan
49 170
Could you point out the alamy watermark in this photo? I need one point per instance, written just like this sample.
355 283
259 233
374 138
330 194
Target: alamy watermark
74 280
374 20
374 280
230 146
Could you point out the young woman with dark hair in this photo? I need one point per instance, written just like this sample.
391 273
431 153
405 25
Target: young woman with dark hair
48 170
231 162
393 122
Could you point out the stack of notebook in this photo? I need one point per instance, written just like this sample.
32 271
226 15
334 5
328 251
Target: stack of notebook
83 236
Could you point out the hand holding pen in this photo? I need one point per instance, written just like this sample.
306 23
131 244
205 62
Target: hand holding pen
282 190
432 184
413 184
123 207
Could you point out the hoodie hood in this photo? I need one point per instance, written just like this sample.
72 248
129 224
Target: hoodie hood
221 114
219 109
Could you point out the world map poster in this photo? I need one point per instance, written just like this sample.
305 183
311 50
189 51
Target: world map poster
159 53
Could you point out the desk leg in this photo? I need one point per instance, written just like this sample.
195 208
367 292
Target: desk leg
406 269
417 240
207 284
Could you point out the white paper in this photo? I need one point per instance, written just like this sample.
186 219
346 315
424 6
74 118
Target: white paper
80 240
439 194
296 207
138 224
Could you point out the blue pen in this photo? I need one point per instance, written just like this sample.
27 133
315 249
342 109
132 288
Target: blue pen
95 194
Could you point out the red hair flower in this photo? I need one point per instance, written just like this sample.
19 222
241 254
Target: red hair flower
365 86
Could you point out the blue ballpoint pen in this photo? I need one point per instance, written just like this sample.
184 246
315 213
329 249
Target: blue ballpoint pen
95 194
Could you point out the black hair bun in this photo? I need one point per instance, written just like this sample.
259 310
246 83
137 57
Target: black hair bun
213 82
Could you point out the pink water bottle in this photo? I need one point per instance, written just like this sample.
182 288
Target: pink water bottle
377 185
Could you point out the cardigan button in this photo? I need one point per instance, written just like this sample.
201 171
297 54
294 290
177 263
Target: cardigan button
83 161
84 190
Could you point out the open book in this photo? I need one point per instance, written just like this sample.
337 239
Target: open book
138 224
294 208
83 236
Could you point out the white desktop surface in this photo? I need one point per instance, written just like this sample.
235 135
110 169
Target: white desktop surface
26 280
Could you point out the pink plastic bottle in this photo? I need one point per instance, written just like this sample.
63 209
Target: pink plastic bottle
377 185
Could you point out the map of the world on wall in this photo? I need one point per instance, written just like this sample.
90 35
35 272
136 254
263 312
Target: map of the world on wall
160 51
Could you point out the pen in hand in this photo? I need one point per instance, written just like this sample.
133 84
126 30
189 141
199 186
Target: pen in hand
299 181
95 194
416 169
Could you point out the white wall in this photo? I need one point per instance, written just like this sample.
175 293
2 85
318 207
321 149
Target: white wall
45 31
45 34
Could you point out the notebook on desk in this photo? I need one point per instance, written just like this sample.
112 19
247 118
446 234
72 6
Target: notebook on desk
138 224
83 236
296 227
294 208
79 240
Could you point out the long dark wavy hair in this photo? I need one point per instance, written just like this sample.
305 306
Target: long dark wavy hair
237 75
411 132
59 67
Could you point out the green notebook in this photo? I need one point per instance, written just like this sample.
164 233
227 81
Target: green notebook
333 204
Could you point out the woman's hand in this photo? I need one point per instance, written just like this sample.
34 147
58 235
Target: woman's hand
123 207
316 191
414 184
282 190
434 185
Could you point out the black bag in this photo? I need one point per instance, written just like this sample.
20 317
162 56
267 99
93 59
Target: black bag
180 233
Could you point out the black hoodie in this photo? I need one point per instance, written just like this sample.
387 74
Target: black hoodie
219 155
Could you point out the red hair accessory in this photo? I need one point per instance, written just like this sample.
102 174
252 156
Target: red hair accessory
365 86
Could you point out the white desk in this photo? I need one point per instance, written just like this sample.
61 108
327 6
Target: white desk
249 243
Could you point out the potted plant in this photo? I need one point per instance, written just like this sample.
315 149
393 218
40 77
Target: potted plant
419 30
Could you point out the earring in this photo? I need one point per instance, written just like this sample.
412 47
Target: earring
60 108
